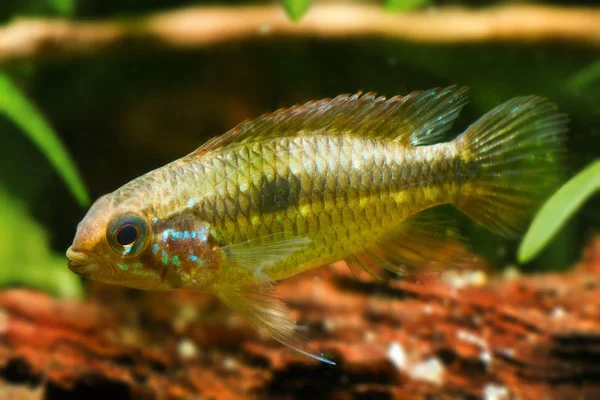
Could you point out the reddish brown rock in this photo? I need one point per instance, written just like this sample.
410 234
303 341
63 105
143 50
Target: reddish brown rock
449 335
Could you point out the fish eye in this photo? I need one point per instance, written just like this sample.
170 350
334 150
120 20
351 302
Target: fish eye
128 235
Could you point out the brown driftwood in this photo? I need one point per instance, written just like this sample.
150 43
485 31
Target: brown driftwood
206 26
527 337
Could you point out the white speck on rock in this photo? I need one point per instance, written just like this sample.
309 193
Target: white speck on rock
510 353
230 364
494 391
431 370
471 338
485 356
558 312
329 325
397 355
187 349
461 279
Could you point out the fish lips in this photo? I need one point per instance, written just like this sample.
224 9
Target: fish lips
80 263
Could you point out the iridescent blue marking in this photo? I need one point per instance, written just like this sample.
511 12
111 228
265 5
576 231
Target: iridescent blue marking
196 259
191 202
172 234
176 261
155 219
155 249
164 257
203 234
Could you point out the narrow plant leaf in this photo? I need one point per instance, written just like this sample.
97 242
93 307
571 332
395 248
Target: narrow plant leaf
558 209
584 78
25 255
18 109
405 5
63 7
296 9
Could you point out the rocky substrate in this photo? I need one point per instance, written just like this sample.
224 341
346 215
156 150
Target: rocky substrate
451 335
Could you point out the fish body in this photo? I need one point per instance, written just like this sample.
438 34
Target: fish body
348 179
339 193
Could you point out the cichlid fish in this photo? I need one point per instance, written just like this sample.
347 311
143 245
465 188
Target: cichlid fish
347 178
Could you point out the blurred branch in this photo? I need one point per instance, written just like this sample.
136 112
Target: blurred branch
204 26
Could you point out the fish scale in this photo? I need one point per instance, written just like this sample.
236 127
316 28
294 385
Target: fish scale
322 209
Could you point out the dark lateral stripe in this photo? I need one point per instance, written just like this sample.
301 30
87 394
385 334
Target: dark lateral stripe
279 194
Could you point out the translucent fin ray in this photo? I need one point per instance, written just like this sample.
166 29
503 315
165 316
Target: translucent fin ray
362 262
419 118
258 254
425 238
268 314
515 152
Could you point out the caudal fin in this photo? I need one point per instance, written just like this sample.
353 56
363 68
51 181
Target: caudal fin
514 155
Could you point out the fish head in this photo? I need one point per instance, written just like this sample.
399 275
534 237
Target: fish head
112 244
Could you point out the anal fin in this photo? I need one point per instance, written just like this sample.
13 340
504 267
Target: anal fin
425 238
268 314
363 262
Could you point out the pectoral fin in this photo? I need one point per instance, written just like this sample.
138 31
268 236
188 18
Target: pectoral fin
268 314
258 254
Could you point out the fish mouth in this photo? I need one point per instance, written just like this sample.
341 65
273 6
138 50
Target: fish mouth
79 262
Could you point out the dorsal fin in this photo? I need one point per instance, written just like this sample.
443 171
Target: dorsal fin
419 118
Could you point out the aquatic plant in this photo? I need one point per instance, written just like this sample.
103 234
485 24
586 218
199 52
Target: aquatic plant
296 9
25 254
558 209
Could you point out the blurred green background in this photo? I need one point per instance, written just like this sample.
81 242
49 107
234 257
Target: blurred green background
121 114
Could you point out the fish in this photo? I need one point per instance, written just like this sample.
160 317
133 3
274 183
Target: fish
356 178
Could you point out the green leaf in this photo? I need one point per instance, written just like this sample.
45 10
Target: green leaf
63 7
584 78
25 116
405 5
296 9
558 209
25 255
